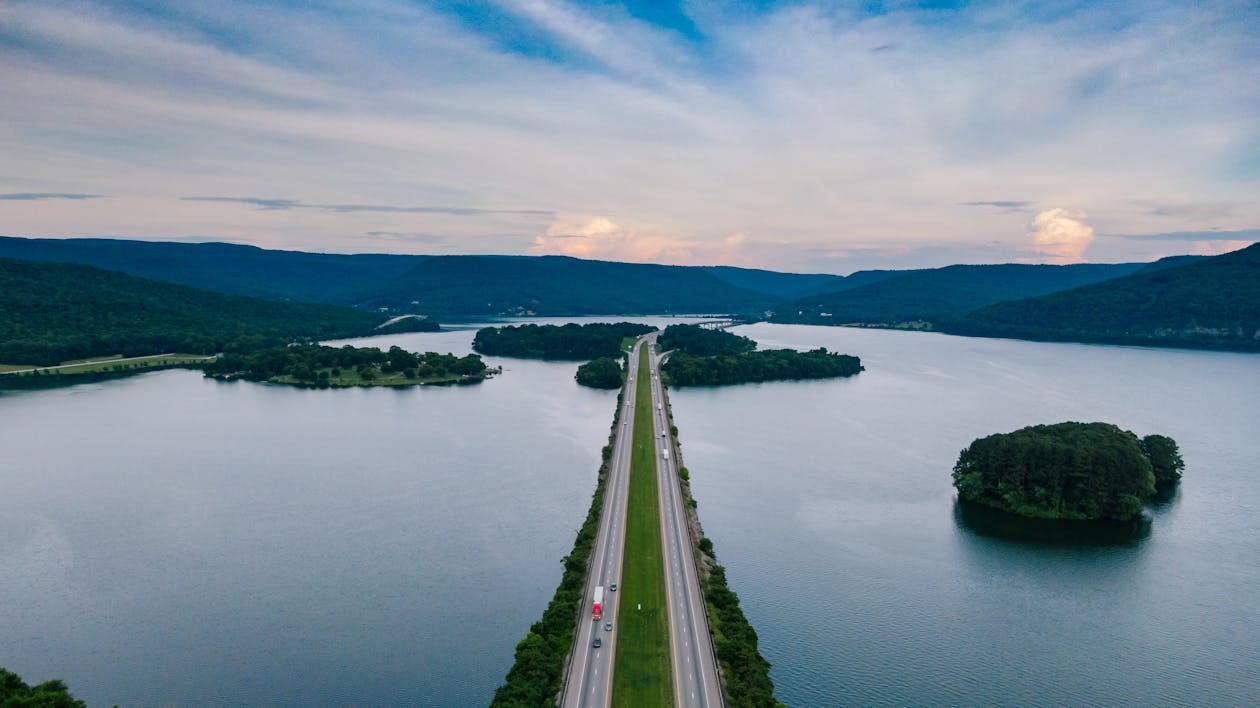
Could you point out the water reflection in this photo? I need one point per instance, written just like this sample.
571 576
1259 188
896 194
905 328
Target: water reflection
994 523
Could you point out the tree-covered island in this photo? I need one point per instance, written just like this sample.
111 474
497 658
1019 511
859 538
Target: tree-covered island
565 342
317 366
714 357
1067 471
603 372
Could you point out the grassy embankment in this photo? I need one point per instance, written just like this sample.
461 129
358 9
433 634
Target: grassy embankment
113 363
641 676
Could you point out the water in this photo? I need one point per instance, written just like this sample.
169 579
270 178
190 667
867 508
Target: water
171 540
830 503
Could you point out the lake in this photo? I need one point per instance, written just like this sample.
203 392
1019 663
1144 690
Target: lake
831 505
171 540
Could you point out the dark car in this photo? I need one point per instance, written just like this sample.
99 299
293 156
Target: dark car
596 643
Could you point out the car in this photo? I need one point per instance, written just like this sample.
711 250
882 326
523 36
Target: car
612 587
596 643
608 626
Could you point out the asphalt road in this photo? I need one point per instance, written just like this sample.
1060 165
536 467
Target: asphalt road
590 671
691 647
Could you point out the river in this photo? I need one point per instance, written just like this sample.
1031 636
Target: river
171 540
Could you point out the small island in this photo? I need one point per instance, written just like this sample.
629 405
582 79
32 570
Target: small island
564 342
712 357
317 366
1075 471
603 372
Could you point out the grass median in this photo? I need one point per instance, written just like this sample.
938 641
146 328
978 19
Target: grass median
642 676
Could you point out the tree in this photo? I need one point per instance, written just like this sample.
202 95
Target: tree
14 693
1166 462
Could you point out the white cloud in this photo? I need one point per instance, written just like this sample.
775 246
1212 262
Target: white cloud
1060 234
602 239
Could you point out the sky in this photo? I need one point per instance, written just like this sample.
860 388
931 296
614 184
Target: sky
798 136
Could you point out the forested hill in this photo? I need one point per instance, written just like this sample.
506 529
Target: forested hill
458 285
1212 302
558 285
223 267
54 312
943 293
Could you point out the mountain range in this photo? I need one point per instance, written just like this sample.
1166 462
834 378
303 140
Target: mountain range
1177 301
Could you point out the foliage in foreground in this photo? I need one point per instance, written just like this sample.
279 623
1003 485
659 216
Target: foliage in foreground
14 693
600 373
570 341
535 676
321 366
1067 471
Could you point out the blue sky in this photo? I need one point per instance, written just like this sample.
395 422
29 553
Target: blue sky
824 137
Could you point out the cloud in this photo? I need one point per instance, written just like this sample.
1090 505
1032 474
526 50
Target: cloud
806 122
602 239
40 196
1007 206
260 202
283 204
1061 234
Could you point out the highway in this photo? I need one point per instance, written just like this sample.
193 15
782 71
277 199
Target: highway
691 647
589 681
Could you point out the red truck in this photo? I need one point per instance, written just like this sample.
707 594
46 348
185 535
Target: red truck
597 608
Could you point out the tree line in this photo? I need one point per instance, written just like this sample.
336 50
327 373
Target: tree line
314 364
569 341
766 365
702 341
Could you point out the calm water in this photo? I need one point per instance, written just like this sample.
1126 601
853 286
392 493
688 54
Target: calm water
831 506
169 540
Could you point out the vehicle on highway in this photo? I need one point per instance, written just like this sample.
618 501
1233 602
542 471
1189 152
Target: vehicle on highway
596 643
612 587
665 453
608 626
597 609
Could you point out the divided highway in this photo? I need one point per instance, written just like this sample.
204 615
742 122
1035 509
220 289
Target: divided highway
691 647
589 679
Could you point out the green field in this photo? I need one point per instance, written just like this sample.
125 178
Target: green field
642 676
116 363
